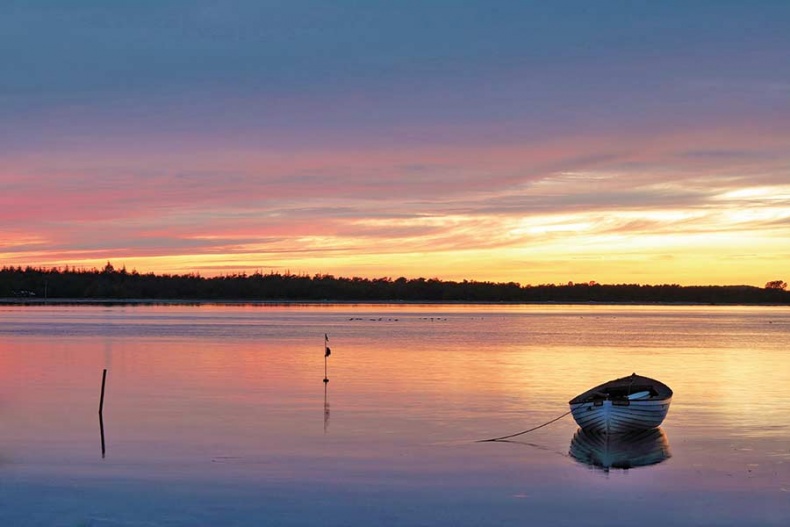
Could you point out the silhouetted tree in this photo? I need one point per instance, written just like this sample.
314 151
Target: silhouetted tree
109 283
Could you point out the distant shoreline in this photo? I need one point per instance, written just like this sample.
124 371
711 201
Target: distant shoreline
109 286
292 302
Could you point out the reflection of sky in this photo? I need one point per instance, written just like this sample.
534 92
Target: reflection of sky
217 412
614 142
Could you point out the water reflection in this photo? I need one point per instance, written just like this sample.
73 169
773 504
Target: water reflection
213 415
620 451
101 432
326 407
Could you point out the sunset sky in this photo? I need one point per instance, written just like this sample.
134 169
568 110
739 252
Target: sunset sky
526 141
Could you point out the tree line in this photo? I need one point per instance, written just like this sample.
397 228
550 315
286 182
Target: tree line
37 284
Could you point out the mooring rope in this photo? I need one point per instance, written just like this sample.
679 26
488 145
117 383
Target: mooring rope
525 431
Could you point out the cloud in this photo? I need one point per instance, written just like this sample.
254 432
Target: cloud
206 135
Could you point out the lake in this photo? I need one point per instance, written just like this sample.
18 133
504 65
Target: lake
218 415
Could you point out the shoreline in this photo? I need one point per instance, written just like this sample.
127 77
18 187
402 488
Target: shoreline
241 302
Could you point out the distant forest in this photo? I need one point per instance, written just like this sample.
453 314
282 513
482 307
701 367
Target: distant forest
30 284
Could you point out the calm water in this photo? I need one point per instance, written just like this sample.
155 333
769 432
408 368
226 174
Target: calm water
217 415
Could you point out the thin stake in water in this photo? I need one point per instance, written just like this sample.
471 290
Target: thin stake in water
327 353
101 409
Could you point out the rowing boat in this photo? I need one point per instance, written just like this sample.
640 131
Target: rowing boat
622 405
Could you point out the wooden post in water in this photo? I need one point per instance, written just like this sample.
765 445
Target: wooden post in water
101 410
327 352
101 399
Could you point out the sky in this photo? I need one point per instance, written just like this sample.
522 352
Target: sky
527 141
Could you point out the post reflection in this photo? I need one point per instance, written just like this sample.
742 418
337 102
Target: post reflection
620 451
101 431
326 408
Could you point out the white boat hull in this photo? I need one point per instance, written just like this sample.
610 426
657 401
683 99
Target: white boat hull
620 417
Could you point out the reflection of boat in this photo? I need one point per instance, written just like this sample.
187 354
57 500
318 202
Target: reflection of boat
622 405
606 451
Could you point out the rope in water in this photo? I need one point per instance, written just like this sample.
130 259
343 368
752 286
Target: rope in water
525 431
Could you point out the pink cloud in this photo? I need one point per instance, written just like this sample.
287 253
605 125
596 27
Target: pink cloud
222 201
